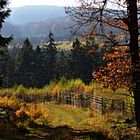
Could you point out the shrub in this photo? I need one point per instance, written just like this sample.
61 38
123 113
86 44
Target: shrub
11 103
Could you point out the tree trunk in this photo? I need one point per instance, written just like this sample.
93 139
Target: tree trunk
134 50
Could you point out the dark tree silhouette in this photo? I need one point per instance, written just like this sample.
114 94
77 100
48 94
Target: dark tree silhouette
25 64
4 41
81 62
49 58
38 68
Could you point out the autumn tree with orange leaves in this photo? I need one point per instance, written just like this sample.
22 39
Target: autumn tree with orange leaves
125 16
116 73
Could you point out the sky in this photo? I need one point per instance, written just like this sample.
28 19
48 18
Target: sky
18 3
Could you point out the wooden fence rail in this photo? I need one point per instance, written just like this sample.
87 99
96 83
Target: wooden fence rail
84 100
100 104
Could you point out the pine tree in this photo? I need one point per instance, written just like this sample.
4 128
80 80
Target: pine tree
62 66
81 62
7 69
38 68
4 41
4 13
49 55
25 64
51 41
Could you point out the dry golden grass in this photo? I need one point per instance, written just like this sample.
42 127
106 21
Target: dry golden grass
111 125
11 102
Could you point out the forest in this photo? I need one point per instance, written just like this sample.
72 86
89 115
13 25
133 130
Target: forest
86 88
37 66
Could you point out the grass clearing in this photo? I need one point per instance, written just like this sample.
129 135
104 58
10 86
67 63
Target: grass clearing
60 115
49 120
112 125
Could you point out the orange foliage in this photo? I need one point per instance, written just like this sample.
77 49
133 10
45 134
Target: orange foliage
116 73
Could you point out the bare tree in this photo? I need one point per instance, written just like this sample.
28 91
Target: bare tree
121 14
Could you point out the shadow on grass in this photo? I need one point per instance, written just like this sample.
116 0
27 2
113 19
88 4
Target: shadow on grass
8 132
65 133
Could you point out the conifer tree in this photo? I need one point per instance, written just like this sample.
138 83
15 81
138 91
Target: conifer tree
25 64
4 41
7 69
38 68
62 66
49 55
81 62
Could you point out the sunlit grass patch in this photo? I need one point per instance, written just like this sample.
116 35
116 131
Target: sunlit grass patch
112 125
11 102
60 115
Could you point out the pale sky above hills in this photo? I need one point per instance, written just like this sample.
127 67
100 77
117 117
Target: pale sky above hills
18 3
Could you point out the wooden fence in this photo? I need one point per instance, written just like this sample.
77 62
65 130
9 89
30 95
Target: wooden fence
104 105
99 104
76 99
84 100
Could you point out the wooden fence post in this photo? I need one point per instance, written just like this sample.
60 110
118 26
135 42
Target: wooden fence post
123 106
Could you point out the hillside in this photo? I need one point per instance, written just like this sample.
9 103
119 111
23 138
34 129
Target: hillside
27 14
59 26
35 22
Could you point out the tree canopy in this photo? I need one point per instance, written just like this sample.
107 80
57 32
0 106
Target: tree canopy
4 41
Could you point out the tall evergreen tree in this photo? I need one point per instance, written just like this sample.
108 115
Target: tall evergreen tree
7 69
81 62
49 55
38 68
62 66
25 64
4 41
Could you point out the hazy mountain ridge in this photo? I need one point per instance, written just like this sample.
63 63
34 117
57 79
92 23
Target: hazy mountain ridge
37 21
26 14
59 26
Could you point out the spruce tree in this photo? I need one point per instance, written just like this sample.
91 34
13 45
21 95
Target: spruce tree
7 69
49 55
4 13
62 66
38 68
4 41
80 64
25 64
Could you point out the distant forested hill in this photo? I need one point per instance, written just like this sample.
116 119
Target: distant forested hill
59 26
26 14
35 22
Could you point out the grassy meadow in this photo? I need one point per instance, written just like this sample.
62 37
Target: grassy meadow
24 114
